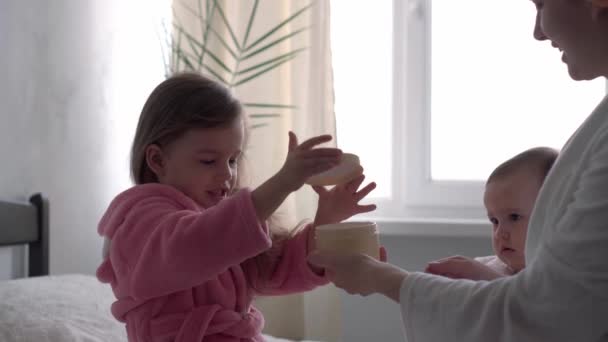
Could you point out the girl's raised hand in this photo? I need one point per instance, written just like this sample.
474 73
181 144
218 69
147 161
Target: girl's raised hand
304 161
342 201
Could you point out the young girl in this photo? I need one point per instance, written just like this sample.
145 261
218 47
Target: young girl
187 249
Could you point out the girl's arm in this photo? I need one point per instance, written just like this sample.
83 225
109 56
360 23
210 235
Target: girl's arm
285 268
303 161
159 247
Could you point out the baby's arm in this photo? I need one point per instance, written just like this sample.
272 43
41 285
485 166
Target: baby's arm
460 267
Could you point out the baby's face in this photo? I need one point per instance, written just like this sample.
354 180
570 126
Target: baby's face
509 201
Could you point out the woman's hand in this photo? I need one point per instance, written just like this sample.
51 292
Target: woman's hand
460 267
342 201
361 274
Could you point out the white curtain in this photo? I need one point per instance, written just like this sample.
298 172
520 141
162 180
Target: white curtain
304 82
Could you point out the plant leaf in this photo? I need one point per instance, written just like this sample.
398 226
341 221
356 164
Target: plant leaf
210 28
268 105
204 49
214 73
276 28
186 58
257 66
259 73
228 26
165 46
176 53
204 29
254 126
183 57
271 44
263 116
250 23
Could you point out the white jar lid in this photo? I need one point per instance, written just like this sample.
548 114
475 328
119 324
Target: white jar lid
348 169
351 227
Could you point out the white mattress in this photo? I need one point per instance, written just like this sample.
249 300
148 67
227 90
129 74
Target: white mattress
67 308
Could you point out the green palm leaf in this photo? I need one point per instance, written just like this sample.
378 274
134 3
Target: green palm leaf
192 40
227 24
278 27
190 53
268 105
208 28
270 61
266 47
250 23
263 71
254 126
263 116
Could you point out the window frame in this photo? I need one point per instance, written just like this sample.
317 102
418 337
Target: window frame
422 197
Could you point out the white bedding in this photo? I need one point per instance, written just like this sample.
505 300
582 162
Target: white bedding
67 308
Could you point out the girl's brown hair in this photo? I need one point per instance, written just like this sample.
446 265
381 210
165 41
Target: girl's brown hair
181 102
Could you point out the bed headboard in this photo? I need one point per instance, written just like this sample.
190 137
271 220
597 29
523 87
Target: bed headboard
24 223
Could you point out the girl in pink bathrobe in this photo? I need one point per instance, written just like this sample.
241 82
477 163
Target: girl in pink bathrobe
186 249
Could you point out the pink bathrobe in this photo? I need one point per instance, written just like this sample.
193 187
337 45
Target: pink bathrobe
181 273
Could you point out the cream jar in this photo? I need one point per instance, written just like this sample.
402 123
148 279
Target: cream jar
349 238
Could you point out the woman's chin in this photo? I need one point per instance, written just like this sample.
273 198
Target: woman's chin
578 74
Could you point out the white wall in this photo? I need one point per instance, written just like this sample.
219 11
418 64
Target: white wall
74 77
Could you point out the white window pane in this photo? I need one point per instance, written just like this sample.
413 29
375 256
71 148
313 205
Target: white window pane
361 42
495 90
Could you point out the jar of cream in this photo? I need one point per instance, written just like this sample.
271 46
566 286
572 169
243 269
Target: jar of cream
349 238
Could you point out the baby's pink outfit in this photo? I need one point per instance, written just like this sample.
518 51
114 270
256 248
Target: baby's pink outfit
185 274
493 262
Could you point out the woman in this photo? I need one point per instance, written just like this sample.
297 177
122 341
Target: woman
562 294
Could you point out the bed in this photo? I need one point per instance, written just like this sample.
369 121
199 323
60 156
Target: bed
51 308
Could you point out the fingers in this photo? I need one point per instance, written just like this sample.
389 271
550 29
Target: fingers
359 195
450 267
365 208
293 141
310 143
383 254
354 184
322 152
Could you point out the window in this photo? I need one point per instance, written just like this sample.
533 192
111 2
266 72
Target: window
432 98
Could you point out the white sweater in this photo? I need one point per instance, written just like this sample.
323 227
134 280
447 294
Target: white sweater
562 294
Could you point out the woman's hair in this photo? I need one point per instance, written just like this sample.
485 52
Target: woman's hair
180 103
538 160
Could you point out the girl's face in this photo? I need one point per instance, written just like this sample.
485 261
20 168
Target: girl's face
202 163
579 30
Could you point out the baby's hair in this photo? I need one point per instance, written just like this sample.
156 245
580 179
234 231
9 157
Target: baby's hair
182 102
538 160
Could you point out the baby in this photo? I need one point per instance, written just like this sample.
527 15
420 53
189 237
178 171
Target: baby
511 190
